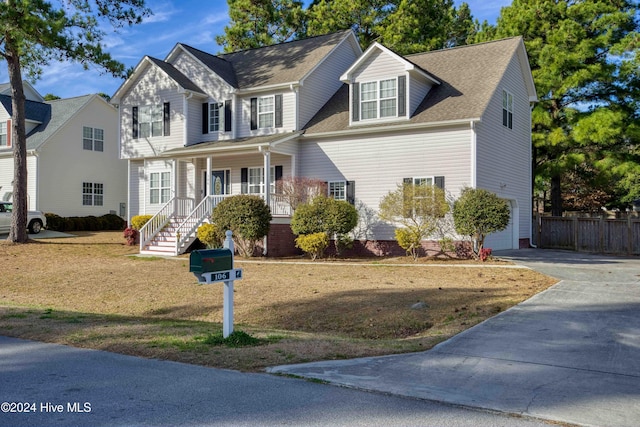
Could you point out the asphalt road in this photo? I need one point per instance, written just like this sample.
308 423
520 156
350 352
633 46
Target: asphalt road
55 382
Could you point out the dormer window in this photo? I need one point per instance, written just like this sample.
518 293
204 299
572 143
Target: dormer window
380 99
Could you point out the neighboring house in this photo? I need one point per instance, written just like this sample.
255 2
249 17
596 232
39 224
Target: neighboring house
73 165
198 127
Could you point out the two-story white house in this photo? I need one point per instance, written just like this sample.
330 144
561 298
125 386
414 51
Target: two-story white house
198 127
73 164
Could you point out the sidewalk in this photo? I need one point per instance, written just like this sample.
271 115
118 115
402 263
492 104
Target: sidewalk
569 354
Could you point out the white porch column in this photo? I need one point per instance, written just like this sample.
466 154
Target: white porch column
174 172
207 180
267 175
267 188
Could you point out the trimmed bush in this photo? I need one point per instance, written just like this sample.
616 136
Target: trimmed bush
138 221
209 235
248 217
313 244
87 223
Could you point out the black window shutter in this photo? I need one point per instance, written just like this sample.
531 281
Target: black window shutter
254 113
407 197
227 115
278 178
244 179
166 116
439 181
278 118
355 106
205 117
134 119
402 91
351 192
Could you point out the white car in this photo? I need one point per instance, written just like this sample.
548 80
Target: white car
36 220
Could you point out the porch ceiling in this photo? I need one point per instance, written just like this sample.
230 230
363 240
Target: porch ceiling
238 144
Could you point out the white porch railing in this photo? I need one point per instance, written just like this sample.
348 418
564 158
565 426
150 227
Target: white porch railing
178 206
188 228
279 205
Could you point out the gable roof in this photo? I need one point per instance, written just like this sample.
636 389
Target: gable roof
173 73
279 64
30 92
469 77
61 111
377 47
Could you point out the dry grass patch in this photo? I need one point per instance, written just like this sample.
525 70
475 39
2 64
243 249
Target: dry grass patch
85 291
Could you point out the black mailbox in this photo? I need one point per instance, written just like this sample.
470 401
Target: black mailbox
210 260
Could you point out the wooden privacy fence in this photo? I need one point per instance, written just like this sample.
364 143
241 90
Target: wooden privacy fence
610 236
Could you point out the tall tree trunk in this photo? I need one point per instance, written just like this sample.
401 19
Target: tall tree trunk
18 230
556 195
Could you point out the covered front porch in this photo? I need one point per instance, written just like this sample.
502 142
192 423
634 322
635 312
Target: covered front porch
205 174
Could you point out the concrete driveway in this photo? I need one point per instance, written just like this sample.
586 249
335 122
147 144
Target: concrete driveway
569 354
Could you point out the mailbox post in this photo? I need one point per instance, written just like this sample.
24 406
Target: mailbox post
216 265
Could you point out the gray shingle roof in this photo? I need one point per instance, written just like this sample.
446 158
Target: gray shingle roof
176 75
271 65
469 76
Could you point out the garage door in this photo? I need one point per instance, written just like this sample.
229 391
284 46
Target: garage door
503 239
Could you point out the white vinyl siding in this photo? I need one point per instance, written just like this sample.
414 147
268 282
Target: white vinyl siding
379 163
63 165
503 154
140 95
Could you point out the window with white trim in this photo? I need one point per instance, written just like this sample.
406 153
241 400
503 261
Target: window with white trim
150 121
92 194
507 109
92 139
215 119
159 187
3 135
337 190
256 180
266 111
379 99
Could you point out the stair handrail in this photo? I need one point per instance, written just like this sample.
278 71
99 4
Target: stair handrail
189 226
177 206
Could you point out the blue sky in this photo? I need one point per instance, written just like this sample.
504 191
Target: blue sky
193 22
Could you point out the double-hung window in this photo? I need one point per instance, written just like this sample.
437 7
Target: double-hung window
266 111
92 138
338 190
379 99
150 121
507 109
160 187
92 194
214 117
256 180
4 140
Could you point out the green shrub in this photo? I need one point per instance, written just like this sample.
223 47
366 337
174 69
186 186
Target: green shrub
138 221
314 244
209 235
409 240
88 223
248 217
478 213
335 218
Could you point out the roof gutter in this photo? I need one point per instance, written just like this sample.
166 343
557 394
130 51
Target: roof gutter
362 130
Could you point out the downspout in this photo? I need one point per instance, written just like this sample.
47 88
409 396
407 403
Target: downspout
474 155
531 160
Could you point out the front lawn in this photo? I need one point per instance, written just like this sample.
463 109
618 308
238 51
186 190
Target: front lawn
86 292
